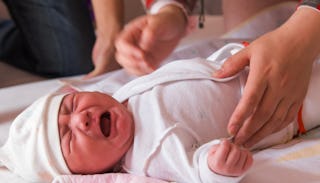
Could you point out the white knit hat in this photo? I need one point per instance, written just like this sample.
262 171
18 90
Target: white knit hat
33 148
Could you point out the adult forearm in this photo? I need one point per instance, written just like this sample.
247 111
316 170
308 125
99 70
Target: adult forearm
109 23
313 26
304 27
236 12
109 15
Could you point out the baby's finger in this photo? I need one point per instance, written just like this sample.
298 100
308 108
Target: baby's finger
223 152
233 157
246 160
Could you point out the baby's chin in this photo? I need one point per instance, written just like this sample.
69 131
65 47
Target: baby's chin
90 170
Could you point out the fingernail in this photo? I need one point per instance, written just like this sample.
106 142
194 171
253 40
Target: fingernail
233 129
217 73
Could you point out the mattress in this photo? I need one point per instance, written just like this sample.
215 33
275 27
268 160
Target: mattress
296 161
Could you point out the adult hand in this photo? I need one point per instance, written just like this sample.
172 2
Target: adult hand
280 65
109 22
149 39
229 159
103 56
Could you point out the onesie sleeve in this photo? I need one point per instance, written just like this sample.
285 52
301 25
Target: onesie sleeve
205 174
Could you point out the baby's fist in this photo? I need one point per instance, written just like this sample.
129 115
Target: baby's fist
229 159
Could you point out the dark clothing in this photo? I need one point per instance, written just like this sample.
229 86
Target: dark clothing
51 38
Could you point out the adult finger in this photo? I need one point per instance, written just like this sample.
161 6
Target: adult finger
270 126
291 115
126 47
252 95
233 64
148 38
133 65
128 40
261 115
92 74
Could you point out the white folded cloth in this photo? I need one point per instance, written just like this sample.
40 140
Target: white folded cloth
32 149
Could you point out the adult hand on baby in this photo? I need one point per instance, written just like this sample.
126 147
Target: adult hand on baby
280 68
229 159
149 39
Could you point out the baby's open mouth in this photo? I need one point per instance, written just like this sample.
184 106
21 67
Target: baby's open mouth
105 124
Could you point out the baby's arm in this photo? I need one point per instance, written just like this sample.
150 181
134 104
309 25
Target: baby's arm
229 159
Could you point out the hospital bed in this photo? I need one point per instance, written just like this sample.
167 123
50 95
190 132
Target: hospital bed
294 162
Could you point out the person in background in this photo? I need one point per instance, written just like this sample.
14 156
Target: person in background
57 38
280 61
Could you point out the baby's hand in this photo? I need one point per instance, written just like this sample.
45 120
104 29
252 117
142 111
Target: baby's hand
229 159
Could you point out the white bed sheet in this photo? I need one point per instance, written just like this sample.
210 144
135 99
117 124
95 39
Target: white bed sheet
297 161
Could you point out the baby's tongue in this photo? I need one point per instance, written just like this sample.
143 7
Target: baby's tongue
105 125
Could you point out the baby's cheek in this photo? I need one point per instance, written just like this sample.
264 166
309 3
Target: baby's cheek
85 145
67 157
65 149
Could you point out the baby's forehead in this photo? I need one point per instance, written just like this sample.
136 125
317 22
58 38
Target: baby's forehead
92 96
68 97
64 100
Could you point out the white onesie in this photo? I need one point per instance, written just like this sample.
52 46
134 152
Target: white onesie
180 111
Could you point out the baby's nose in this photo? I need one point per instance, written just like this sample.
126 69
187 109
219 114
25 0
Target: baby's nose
80 121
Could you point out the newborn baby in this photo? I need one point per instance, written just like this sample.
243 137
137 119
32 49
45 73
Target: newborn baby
171 125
